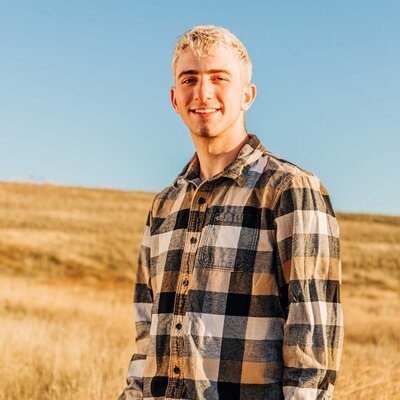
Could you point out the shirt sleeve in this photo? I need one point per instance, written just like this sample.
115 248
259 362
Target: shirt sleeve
309 273
142 305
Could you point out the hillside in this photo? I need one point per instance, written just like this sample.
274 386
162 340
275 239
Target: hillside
95 233
69 231
67 260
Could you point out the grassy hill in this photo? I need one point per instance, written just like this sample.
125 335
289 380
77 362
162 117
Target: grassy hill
67 260
61 231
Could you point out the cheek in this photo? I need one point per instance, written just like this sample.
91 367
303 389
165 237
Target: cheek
236 104
183 98
234 98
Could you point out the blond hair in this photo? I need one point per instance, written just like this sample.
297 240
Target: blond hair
204 38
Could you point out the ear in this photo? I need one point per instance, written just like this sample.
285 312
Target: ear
173 99
249 94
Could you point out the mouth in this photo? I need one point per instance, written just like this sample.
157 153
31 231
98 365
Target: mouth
204 111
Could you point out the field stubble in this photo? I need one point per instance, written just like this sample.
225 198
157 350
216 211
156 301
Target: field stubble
67 257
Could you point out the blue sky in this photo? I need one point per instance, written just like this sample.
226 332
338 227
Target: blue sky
84 91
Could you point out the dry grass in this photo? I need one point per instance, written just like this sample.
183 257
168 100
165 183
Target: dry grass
67 231
67 257
63 341
370 366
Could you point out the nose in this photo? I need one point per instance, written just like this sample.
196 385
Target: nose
204 90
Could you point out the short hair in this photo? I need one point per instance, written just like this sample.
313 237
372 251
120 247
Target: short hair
204 38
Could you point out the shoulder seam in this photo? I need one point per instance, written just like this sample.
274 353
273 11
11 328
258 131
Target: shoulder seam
285 183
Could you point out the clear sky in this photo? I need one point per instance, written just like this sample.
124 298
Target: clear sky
84 91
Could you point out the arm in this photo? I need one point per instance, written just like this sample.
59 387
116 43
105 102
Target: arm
142 304
309 271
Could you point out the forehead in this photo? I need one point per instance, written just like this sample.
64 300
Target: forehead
220 58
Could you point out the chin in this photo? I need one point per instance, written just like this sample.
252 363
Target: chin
206 132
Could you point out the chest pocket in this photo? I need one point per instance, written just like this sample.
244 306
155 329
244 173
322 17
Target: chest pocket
229 241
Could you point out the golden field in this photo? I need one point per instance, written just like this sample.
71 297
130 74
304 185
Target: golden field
67 260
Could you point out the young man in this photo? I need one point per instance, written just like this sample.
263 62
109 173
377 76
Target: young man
238 284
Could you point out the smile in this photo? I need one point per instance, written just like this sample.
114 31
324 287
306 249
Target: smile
205 110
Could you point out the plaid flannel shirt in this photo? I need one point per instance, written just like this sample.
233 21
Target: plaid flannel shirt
238 286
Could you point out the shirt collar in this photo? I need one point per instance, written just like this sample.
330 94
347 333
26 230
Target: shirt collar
236 170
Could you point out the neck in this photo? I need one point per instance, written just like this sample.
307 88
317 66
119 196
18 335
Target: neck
215 153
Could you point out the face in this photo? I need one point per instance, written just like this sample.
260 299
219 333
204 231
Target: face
208 93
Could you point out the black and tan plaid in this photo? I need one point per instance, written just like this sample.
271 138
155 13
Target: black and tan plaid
238 286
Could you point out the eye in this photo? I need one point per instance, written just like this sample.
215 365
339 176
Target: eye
219 78
189 80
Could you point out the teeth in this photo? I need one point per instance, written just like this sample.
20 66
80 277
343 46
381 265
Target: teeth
207 110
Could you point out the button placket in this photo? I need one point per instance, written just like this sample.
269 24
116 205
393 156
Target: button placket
199 203
177 333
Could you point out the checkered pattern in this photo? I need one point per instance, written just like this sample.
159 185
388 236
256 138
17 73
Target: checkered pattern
238 286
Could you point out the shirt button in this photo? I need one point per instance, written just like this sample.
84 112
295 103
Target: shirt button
178 326
202 200
193 240
185 282
176 370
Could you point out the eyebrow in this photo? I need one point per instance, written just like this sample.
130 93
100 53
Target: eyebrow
210 71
